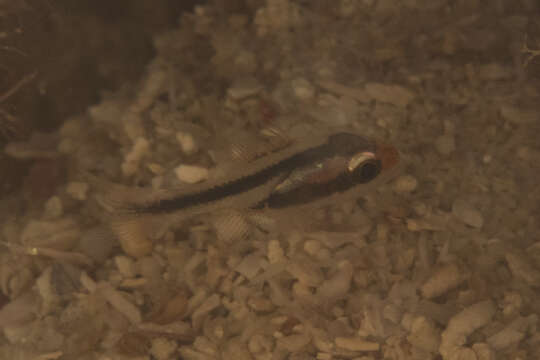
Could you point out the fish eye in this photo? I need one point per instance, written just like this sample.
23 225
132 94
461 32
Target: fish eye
366 171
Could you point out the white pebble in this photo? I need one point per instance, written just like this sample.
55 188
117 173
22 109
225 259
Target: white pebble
191 174
303 89
77 190
467 214
405 184
445 144
187 142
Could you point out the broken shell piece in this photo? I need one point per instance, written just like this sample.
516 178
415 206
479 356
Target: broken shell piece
275 253
40 146
444 279
191 174
464 324
77 190
303 89
59 234
520 268
445 144
339 284
294 343
483 351
207 306
467 213
125 266
306 272
249 266
132 237
244 88
132 160
431 222
174 310
120 303
162 348
356 344
405 184
424 335
510 335
391 94
53 208
187 142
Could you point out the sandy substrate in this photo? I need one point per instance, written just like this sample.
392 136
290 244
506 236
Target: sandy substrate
442 262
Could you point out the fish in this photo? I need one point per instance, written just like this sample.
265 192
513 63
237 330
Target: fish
295 174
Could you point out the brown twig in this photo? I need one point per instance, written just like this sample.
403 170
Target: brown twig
25 80
531 54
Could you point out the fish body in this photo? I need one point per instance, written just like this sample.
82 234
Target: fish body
320 169
303 172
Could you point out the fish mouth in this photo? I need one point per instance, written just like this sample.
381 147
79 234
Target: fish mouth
387 155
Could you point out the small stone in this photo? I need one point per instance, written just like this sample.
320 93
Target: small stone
244 88
306 273
483 351
187 142
77 190
132 160
260 343
275 252
441 281
521 268
156 169
463 324
517 115
191 174
53 208
125 266
347 7
97 243
294 343
467 214
390 94
303 89
60 234
249 266
312 247
339 284
494 71
356 344
445 144
247 61
405 184
162 348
